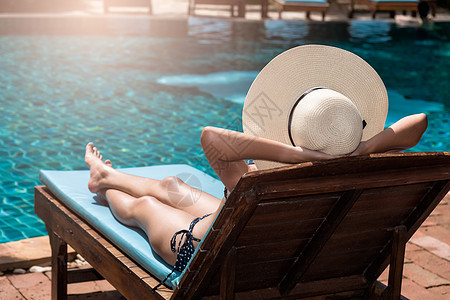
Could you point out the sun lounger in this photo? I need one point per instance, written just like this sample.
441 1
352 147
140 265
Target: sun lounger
307 6
240 4
314 229
385 5
71 187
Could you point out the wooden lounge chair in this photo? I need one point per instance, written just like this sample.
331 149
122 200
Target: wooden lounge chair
240 4
307 6
326 228
385 5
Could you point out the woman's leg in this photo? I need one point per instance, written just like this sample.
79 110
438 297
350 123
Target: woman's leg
158 220
171 191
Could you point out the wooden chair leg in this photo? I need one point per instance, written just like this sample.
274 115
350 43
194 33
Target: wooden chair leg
59 266
308 15
241 9
396 264
264 9
351 10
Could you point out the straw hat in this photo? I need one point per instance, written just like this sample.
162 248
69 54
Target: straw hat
318 97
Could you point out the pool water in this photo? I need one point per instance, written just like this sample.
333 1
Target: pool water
142 89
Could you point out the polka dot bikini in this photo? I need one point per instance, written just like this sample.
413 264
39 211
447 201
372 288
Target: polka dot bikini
185 251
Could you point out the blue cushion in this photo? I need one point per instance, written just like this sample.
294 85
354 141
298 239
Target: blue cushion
71 188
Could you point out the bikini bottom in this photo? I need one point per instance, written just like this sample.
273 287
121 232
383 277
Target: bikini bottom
184 251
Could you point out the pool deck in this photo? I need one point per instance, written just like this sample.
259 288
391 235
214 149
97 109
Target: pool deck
427 264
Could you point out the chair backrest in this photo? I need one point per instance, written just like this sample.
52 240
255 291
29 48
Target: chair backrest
320 227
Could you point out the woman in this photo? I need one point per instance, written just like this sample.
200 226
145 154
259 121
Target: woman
154 205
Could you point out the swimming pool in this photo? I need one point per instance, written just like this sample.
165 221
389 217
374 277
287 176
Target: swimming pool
142 89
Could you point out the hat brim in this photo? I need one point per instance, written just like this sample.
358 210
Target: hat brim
283 80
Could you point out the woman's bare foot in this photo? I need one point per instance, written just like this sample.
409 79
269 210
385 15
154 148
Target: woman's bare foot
99 169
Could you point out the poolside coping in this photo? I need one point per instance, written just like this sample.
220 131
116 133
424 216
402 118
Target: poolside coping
27 253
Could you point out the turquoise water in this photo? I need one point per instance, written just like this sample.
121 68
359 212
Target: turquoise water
143 90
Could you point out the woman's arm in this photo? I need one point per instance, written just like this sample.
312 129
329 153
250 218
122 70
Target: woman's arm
226 150
403 134
229 145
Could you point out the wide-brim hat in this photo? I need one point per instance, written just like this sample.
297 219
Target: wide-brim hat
318 97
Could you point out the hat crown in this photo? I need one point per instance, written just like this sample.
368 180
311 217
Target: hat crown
326 121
